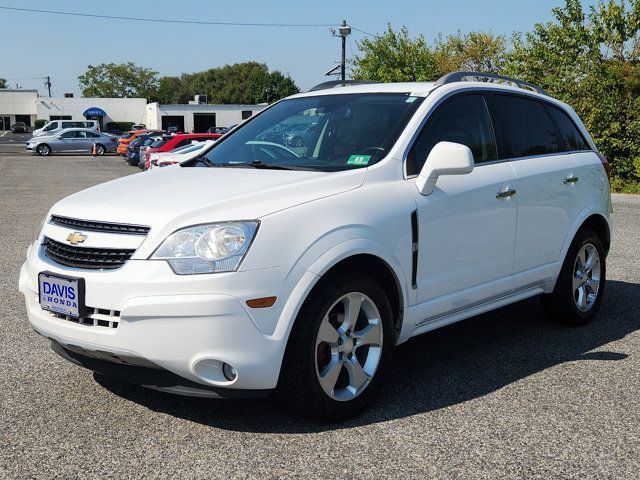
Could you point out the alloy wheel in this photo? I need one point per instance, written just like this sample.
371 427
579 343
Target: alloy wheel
586 277
348 346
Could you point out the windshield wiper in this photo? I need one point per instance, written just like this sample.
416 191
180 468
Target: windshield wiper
267 166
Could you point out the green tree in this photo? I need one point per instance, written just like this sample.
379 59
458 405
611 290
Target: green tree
591 60
474 51
396 57
124 80
174 89
241 83
3 83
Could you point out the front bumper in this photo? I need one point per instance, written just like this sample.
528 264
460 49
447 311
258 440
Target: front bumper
187 325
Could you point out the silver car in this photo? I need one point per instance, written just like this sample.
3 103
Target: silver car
73 140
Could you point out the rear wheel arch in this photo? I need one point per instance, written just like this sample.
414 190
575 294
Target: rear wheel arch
598 224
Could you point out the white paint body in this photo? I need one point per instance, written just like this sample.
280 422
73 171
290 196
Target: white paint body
476 252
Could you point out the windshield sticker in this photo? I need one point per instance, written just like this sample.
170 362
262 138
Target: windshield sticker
358 159
410 100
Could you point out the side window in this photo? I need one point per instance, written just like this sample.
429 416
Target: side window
92 135
69 125
573 139
52 126
182 142
526 127
246 114
71 134
463 119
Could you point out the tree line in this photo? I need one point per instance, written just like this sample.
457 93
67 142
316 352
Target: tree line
240 83
588 58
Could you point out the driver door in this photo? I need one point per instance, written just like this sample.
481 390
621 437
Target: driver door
67 142
467 225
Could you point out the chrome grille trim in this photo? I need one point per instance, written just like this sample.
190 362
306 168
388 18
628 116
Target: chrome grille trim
95 226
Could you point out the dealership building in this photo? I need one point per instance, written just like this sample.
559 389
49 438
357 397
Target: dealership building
197 116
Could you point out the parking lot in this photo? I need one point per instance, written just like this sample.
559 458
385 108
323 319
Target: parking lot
502 395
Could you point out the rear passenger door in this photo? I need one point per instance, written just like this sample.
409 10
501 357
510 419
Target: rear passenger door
544 170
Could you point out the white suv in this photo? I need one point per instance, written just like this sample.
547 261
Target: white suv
297 269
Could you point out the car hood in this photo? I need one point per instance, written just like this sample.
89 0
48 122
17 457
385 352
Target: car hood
173 197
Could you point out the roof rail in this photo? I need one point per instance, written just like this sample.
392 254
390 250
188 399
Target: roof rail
490 77
338 83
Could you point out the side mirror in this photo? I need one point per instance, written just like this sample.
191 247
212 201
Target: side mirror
446 158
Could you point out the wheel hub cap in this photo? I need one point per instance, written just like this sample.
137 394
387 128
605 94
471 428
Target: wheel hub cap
586 277
348 346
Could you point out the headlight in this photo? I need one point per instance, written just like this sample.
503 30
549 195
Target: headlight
210 248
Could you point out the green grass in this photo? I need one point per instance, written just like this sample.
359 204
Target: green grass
619 185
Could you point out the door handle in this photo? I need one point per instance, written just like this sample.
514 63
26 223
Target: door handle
571 180
506 194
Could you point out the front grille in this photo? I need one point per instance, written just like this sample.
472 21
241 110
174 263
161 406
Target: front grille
96 317
106 227
86 257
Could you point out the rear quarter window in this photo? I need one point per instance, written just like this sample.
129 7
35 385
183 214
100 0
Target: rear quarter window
526 127
571 136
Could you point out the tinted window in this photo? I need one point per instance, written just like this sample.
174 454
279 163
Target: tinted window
53 126
69 135
573 139
526 127
246 114
464 120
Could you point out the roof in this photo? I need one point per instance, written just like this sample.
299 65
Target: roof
420 89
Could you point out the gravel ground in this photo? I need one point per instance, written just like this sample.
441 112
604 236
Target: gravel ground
502 395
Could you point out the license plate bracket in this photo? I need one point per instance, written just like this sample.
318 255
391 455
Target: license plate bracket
62 294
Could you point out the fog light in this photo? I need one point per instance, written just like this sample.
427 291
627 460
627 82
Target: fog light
229 372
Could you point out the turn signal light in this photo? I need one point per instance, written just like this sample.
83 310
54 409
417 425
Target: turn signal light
264 302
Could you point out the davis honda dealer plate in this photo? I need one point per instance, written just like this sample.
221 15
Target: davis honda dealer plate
61 294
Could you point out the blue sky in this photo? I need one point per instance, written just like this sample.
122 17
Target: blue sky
36 45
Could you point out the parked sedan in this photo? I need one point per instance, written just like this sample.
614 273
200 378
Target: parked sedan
19 127
73 140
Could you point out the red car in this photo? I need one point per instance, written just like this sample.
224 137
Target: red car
170 143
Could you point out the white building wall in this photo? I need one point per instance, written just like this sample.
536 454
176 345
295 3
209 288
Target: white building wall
117 109
136 110
18 102
226 115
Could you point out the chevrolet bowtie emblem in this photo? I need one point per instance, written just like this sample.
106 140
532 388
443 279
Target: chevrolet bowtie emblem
76 238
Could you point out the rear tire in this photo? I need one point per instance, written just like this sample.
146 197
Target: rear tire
580 286
335 363
100 150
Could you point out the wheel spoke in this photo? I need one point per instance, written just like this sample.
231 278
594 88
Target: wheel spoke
357 376
577 281
582 298
329 376
592 285
327 333
368 335
589 254
581 260
352 305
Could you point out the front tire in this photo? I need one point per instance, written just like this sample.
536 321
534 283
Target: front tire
43 150
578 293
339 349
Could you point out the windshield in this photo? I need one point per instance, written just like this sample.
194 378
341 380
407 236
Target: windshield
327 133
